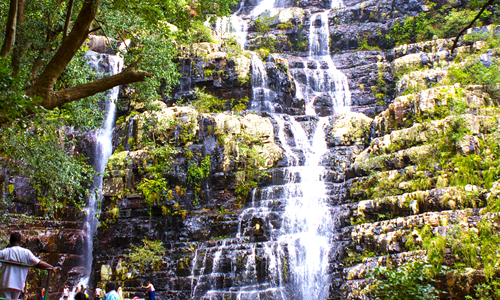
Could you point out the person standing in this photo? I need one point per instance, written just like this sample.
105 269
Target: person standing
150 289
13 276
120 292
98 292
65 292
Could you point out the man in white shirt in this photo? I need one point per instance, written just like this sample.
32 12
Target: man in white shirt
13 276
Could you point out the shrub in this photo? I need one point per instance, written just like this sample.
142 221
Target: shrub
146 258
411 280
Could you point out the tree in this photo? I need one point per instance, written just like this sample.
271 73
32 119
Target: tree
483 8
145 22
46 86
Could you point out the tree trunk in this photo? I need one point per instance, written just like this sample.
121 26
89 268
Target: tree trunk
20 45
10 30
44 86
455 42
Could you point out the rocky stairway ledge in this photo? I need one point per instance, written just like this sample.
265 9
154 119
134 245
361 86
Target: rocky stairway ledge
438 45
390 236
405 108
24 222
434 200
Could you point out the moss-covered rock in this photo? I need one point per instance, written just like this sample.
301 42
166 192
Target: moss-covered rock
350 129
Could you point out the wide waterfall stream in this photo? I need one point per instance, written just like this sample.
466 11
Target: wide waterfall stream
286 235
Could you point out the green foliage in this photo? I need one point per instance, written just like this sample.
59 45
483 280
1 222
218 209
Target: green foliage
154 186
153 189
197 171
443 23
411 30
143 260
471 248
249 163
207 103
110 217
488 290
458 19
411 280
13 102
474 72
232 46
252 167
364 46
443 164
299 42
267 43
240 104
263 23
354 258
198 32
154 28
36 150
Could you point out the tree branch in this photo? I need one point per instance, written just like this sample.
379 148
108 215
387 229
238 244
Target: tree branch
44 86
470 24
68 18
129 75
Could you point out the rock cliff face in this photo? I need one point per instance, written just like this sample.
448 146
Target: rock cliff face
414 160
384 186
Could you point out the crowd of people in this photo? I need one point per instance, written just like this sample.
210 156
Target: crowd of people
16 262
112 292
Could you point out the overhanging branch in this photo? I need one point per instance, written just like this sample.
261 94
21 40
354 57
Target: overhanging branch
129 75
470 24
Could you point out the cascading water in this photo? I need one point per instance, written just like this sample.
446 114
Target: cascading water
317 76
102 150
234 25
262 95
286 235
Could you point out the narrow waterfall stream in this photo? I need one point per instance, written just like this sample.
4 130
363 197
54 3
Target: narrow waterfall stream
286 235
102 150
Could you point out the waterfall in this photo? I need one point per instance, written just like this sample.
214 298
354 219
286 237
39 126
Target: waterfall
317 77
234 25
262 95
102 150
263 6
286 233
307 228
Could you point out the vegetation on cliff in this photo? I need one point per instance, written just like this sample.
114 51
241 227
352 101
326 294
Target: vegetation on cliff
46 85
436 149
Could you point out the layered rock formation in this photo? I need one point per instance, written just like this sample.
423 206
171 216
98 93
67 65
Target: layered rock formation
406 166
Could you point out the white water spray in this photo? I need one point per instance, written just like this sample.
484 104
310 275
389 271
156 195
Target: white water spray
110 64
295 211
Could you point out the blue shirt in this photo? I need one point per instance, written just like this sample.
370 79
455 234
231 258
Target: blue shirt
113 295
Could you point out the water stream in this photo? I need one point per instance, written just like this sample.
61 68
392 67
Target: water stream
102 149
286 235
